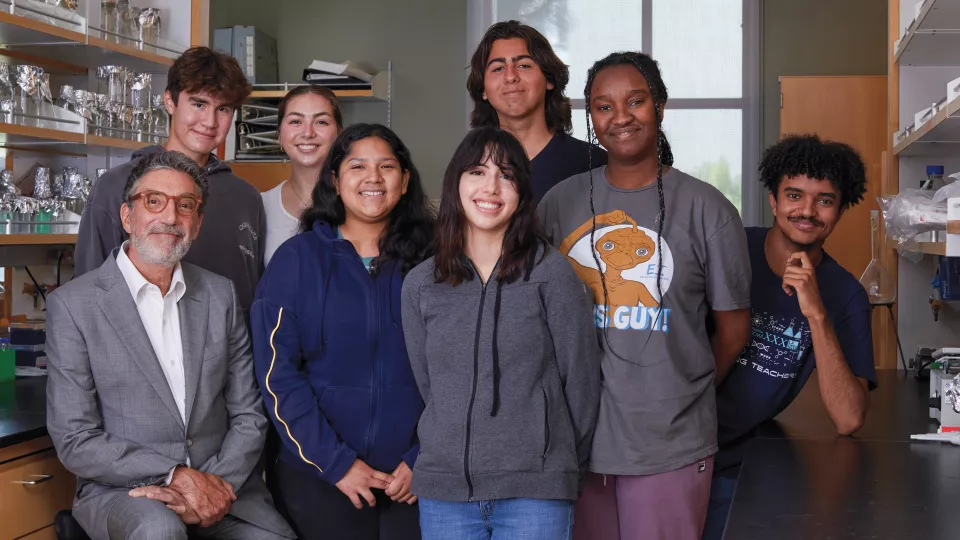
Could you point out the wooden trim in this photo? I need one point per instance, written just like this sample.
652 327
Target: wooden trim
37 26
261 175
933 248
47 533
7 308
278 94
98 140
195 22
25 448
8 296
91 140
199 23
942 115
43 61
41 133
834 77
38 150
37 239
888 357
101 43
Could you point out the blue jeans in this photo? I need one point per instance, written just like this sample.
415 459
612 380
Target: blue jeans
721 499
504 519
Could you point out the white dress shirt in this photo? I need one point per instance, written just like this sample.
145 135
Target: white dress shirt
161 319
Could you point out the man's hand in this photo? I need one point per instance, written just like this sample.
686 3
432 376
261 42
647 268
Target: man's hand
399 489
208 495
800 277
358 481
171 498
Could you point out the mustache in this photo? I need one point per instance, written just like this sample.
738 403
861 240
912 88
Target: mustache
161 228
811 221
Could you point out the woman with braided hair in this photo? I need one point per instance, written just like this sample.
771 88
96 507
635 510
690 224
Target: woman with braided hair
666 256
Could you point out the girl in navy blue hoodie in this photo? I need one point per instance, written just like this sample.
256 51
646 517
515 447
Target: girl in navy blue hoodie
329 347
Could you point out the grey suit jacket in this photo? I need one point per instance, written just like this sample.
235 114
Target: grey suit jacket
110 411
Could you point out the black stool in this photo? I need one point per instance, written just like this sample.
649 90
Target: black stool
67 528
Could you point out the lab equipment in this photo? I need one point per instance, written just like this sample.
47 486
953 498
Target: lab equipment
8 360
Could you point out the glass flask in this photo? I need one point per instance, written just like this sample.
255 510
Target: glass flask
881 289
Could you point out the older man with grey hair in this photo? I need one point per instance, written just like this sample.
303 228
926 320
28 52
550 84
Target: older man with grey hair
151 396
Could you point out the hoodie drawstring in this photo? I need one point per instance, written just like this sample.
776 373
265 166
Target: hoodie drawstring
495 407
496 353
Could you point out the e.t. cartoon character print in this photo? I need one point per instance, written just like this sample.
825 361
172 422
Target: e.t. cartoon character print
628 259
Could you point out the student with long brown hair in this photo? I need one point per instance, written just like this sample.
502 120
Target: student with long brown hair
309 120
517 83
500 339
328 346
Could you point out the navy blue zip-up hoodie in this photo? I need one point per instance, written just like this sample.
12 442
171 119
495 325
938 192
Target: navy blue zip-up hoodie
330 357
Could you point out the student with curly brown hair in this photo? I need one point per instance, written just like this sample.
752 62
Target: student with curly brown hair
808 312
204 87
517 84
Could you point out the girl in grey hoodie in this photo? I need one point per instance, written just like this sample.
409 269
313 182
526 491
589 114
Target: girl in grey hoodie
501 340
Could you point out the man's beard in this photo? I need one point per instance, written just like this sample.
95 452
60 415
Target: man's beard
152 254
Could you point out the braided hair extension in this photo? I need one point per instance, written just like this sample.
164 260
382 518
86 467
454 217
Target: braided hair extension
647 67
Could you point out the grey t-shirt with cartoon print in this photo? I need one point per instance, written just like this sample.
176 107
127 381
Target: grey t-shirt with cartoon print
657 407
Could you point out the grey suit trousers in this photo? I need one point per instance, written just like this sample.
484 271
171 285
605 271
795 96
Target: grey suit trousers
145 519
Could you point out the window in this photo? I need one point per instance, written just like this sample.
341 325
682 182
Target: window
708 54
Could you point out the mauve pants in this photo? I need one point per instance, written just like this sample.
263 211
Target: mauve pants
665 506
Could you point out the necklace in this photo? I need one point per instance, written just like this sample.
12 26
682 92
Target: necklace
295 192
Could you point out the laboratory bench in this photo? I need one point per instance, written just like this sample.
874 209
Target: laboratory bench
34 486
800 480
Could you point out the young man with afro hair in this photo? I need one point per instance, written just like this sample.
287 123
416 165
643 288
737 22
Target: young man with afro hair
806 310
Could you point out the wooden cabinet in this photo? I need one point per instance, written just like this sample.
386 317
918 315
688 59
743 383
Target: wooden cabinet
34 486
851 110
46 533
263 175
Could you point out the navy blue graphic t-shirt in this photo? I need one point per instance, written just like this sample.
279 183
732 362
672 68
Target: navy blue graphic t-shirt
779 358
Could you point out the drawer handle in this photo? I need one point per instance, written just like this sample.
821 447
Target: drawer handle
40 478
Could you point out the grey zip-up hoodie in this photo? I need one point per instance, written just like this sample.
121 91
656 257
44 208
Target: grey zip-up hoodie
231 238
510 376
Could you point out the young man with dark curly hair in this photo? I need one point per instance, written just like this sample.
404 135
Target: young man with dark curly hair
517 84
807 311
204 87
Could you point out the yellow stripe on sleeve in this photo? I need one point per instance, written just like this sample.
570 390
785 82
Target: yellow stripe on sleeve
276 402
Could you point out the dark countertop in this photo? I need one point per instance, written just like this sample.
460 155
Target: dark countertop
898 409
800 480
23 410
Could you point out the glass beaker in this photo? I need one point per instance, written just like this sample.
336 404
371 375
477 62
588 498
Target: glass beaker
127 14
147 22
110 20
140 87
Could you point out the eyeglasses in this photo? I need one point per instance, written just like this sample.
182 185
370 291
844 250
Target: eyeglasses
156 202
